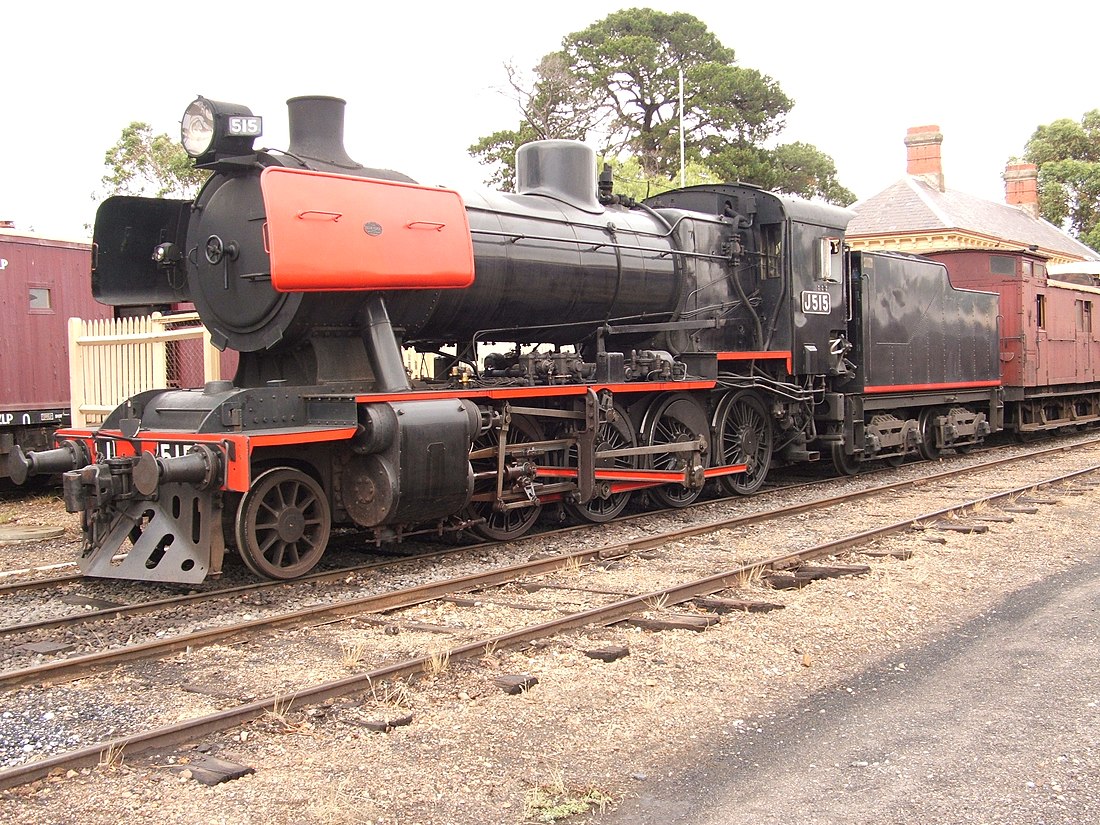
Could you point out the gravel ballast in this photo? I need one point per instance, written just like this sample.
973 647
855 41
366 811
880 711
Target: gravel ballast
589 732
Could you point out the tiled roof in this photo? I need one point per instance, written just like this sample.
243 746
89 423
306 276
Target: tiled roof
912 205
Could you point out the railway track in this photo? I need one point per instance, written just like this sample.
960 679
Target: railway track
345 584
11 585
11 581
46 576
608 611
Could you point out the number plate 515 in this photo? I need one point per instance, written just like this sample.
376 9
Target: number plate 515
816 303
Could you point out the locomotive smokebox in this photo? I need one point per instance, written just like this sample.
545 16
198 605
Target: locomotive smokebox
561 169
317 130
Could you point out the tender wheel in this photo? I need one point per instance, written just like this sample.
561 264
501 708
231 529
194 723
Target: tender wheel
894 460
501 525
744 433
283 524
928 449
617 435
846 465
671 420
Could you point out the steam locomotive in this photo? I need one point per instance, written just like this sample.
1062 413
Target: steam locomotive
587 349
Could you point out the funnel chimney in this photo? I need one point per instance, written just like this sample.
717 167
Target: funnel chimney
317 130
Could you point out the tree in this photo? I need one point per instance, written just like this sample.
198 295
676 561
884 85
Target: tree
797 168
142 163
1068 156
631 62
625 79
554 105
631 181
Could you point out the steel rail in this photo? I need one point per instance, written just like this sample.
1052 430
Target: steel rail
38 584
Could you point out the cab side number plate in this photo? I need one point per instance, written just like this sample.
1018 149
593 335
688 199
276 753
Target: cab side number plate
816 303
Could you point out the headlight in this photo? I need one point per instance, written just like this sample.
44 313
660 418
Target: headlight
211 129
197 128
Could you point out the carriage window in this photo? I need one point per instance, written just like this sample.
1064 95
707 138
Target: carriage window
1002 265
1026 264
39 299
1041 311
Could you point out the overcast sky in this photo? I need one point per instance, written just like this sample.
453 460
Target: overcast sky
424 80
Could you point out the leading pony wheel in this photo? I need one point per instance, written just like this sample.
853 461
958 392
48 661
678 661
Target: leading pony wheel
845 463
283 524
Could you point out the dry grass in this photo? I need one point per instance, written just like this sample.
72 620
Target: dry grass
351 654
279 715
571 566
111 757
753 577
395 693
553 800
437 662
656 603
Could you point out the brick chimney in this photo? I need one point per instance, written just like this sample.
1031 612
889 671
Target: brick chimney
1022 187
922 145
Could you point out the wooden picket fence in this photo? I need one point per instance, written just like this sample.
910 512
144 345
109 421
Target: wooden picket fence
111 360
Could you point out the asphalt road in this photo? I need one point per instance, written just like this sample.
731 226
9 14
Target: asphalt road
998 723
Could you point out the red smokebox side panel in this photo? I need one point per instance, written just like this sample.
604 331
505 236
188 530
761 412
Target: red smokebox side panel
329 233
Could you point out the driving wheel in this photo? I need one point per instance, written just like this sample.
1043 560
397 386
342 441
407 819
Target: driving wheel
501 525
744 434
674 419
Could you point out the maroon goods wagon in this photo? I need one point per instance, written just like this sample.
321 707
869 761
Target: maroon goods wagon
1049 351
43 283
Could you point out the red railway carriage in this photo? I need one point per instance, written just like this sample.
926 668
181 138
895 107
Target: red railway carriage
1049 351
43 282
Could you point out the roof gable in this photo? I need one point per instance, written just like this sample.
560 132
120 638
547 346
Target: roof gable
911 205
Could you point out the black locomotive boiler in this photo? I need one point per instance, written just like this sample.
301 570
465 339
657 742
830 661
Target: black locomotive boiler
587 349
